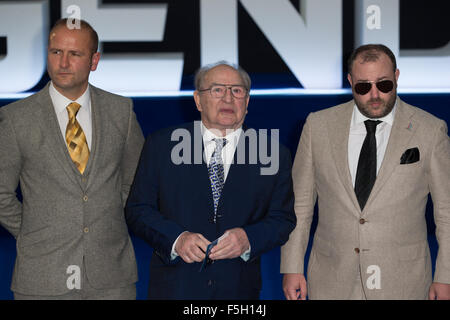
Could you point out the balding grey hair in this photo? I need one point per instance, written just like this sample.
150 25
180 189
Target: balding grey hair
201 73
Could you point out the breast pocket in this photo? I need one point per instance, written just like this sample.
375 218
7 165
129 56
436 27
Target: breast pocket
410 168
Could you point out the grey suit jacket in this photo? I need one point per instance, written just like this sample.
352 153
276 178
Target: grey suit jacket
390 233
67 218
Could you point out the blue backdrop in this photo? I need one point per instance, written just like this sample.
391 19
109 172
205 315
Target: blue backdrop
284 112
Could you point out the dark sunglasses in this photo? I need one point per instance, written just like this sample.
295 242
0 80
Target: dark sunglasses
384 86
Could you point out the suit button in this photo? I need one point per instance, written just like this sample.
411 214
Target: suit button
362 221
83 180
85 198
86 230
357 250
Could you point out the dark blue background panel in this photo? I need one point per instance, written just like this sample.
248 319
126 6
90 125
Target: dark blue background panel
284 112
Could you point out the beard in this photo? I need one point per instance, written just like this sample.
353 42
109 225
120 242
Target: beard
380 111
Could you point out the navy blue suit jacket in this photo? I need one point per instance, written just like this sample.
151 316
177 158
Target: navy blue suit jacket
167 199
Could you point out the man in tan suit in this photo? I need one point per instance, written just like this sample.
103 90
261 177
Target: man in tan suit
372 180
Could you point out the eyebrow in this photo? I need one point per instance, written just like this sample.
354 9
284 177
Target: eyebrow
379 79
229 85
70 51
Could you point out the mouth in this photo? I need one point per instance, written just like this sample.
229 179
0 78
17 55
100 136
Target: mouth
375 103
63 74
227 111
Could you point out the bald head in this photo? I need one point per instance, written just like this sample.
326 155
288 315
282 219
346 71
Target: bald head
74 24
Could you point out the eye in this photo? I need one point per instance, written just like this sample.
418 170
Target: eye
238 90
217 89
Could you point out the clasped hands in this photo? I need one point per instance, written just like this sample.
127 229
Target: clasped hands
191 247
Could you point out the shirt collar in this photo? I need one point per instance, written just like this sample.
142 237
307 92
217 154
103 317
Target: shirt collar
208 135
359 118
61 102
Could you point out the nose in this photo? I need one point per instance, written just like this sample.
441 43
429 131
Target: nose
374 92
64 61
228 96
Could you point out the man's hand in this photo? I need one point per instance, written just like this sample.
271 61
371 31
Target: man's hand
191 247
294 286
439 291
231 246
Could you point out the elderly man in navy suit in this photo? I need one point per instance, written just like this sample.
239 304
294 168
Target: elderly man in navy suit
206 205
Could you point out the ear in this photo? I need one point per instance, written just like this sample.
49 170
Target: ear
349 78
94 61
197 100
246 104
397 74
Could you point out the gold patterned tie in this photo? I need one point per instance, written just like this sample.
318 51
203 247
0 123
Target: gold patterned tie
75 138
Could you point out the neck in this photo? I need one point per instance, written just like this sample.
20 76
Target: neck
220 132
71 94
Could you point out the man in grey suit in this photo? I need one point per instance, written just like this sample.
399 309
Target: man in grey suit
371 162
74 149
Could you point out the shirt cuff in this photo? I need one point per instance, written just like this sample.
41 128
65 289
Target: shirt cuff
246 255
173 253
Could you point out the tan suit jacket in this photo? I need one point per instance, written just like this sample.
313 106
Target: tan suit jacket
390 233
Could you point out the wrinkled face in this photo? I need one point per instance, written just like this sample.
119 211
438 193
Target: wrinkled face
223 113
70 60
375 103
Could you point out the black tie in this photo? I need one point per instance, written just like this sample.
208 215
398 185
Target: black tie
367 164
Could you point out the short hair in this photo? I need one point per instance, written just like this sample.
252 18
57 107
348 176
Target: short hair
201 73
83 25
371 52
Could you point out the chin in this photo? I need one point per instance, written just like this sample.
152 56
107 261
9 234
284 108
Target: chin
227 125
63 85
227 121
370 112
377 113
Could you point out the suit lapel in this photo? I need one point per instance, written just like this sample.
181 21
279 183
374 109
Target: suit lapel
236 172
338 130
198 169
240 171
50 126
403 129
97 113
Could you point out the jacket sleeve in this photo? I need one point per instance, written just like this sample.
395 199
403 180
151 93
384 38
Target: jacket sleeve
130 158
142 211
293 252
439 174
274 229
10 166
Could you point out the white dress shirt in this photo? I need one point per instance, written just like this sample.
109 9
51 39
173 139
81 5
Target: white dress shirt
358 134
228 150
227 158
60 104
